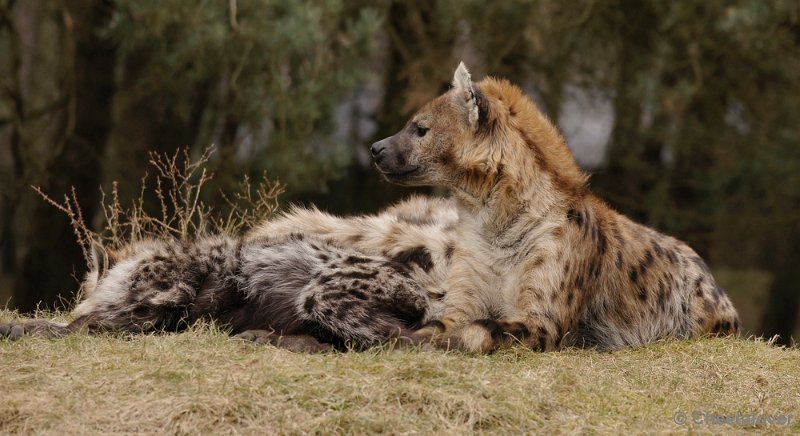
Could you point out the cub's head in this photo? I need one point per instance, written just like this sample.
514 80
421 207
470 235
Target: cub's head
103 259
137 275
473 134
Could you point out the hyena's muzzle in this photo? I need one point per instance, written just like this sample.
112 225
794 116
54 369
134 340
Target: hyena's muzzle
391 156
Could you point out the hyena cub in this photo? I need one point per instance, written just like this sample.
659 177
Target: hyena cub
292 291
538 258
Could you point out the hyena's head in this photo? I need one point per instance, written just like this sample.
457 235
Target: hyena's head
103 259
138 274
473 134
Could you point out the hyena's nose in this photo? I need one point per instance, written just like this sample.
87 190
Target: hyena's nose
377 148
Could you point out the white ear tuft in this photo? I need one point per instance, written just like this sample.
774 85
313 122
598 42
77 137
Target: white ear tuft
462 82
461 79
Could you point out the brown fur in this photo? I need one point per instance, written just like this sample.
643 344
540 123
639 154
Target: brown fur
536 248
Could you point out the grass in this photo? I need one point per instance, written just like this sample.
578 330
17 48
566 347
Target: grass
202 382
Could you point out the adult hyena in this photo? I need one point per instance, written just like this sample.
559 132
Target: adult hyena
291 291
541 257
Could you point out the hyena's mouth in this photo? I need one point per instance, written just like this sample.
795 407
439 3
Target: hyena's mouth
399 176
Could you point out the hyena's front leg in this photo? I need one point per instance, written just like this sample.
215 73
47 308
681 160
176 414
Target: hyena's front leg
545 313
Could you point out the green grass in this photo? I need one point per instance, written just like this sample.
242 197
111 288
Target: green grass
204 382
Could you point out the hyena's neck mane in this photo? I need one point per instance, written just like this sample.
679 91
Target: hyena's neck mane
532 172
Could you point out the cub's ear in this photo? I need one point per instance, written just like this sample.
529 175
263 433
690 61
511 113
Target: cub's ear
102 259
465 94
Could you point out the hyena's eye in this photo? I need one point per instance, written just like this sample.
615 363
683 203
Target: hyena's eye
421 131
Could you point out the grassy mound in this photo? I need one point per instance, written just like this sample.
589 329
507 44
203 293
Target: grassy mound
204 382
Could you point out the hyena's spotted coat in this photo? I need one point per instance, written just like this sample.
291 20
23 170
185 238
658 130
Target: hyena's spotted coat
523 252
292 291
541 257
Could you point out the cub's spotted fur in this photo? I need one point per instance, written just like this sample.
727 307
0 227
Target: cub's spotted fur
292 291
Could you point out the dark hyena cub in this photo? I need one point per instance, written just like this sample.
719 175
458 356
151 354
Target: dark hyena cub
294 291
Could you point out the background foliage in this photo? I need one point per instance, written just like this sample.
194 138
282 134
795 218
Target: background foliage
704 136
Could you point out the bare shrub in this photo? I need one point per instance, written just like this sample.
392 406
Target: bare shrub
179 185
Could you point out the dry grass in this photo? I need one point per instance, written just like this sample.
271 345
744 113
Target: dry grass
202 382
179 184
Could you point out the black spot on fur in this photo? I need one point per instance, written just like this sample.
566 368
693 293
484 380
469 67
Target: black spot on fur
701 264
493 327
671 256
576 217
418 255
358 294
633 274
356 274
708 306
698 287
657 248
448 251
486 125
648 260
662 295
600 240
355 260
310 304
446 158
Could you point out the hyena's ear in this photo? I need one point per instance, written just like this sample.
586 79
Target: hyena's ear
102 259
465 93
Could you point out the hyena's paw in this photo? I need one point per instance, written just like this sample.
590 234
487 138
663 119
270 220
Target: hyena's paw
487 335
296 343
426 337
39 328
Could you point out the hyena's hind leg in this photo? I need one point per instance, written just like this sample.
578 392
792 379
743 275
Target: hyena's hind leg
36 328
365 304
41 328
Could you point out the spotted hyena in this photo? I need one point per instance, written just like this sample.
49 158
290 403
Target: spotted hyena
522 251
292 291
542 258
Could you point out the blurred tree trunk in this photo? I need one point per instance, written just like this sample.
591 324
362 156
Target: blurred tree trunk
632 163
361 188
45 260
783 307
